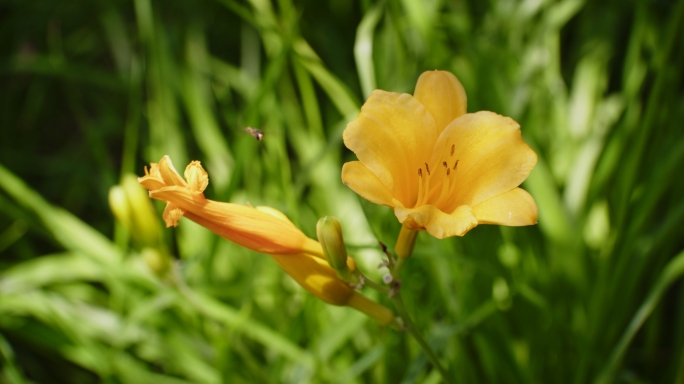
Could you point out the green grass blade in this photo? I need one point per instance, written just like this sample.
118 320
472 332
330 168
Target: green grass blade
220 312
336 90
363 49
67 229
672 272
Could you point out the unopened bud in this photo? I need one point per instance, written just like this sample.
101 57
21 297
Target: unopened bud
156 260
132 208
501 293
196 177
329 234
145 218
118 203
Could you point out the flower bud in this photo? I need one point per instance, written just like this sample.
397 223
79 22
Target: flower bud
145 219
329 234
118 203
132 208
316 276
156 260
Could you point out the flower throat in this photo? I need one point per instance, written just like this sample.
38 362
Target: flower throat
429 182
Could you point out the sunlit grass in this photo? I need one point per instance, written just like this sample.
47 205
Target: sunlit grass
94 91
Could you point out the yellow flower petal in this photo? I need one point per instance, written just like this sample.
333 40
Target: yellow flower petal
172 214
393 136
153 171
310 246
151 183
437 223
316 276
492 157
443 95
245 226
152 179
515 208
169 174
364 182
274 212
197 178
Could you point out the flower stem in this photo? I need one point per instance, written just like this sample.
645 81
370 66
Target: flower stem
404 249
411 327
405 242
370 308
373 285
396 271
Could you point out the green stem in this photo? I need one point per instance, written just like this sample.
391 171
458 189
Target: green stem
411 327
396 271
404 249
373 285
405 242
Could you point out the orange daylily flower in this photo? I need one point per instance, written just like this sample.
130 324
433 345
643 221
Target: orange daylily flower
440 169
262 229
258 229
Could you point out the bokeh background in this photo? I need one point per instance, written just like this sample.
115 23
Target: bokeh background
91 91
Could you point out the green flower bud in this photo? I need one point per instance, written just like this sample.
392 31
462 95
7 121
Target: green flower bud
156 261
118 203
329 234
132 208
147 229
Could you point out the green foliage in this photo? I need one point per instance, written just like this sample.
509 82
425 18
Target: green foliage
93 91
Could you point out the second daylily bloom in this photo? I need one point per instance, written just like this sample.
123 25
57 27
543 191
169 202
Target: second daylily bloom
258 228
261 229
440 169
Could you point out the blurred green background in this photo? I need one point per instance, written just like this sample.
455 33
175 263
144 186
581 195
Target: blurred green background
92 91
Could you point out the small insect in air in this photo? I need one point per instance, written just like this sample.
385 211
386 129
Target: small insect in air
257 134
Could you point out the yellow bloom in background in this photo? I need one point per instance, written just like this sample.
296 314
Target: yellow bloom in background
261 229
440 169
133 209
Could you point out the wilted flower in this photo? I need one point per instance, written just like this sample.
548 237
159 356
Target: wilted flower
262 229
244 225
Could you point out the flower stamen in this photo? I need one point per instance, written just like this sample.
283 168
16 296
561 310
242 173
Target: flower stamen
420 185
448 186
423 190
445 188
452 187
